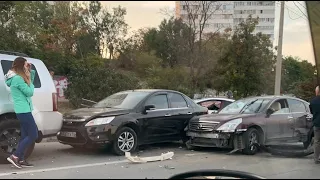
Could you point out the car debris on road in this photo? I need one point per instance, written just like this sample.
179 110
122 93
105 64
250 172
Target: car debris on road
136 159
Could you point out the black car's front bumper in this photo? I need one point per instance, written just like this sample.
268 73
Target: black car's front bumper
94 136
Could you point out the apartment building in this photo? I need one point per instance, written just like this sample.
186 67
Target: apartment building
228 14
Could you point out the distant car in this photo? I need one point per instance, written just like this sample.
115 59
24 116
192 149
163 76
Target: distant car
128 119
263 120
214 104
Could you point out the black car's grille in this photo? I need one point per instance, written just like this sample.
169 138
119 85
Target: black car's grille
202 126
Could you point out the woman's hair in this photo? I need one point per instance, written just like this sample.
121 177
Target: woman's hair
18 68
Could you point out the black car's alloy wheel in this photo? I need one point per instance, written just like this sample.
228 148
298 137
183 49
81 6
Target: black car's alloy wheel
126 141
251 137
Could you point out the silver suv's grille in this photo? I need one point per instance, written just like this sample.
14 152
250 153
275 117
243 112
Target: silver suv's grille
203 126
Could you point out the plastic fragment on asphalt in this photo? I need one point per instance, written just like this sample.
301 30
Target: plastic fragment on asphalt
136 159
189 154
167 167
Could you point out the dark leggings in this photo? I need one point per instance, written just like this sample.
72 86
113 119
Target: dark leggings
29 133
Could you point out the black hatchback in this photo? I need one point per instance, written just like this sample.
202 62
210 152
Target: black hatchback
128 119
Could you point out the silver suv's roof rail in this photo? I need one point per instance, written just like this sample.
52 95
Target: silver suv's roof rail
13 53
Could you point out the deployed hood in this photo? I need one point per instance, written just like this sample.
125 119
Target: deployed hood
84 113
220 117
8 77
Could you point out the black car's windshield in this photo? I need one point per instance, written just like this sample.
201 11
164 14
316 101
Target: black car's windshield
245 106
122 100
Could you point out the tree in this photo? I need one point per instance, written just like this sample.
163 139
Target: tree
92 81
295 70
65 28
168 42
106 27
197 15
248 61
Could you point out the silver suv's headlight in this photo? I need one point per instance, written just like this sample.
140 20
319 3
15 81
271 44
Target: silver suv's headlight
230 126
100 121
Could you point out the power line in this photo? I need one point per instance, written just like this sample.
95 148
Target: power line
300 9
301 5
293 11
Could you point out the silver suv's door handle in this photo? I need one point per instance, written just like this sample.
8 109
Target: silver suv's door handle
290 117
167 115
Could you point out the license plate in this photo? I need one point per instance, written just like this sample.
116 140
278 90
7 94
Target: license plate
207 135
69 134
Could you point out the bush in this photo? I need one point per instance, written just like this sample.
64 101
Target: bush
169 78
94 82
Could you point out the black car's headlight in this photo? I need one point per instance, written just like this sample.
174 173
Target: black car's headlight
100 121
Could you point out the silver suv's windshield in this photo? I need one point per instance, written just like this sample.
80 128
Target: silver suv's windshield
122 100
245 106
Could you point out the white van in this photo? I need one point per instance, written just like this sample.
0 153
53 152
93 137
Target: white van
46 115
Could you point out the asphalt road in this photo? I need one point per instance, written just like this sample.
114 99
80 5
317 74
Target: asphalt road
53 160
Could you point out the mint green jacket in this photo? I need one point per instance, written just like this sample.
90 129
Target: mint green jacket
21 92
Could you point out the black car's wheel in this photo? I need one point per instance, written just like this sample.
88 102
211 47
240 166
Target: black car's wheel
251 137
9 139
126 141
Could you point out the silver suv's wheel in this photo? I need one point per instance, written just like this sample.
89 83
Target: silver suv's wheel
9 139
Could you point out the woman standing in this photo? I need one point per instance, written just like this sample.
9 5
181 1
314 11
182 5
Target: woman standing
20 80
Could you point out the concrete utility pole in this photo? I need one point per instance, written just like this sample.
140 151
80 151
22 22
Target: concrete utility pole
277 86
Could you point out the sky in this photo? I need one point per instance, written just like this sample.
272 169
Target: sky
296 39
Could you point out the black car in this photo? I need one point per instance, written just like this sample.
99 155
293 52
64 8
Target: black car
128 119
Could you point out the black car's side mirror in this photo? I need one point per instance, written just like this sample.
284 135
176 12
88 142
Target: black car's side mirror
148 108
269 112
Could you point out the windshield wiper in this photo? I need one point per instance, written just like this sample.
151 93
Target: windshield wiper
247 105
259 107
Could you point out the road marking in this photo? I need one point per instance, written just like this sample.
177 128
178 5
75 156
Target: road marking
62 168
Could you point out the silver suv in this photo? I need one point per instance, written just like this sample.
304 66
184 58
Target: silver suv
46 115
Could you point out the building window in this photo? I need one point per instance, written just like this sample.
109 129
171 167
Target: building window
261 11
248 3
224 7
184 7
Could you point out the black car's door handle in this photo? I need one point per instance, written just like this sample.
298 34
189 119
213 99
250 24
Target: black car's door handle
189 113
167 115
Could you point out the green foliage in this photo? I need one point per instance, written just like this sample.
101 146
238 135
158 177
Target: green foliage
294 70
304 89
248 61
168 42
71 37
169 78
94 82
